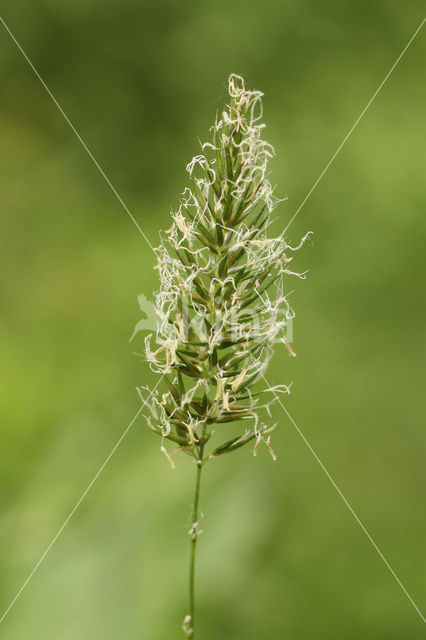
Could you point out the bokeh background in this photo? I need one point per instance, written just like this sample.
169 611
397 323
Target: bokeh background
281 556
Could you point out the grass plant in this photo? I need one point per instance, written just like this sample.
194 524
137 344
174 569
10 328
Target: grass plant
221 305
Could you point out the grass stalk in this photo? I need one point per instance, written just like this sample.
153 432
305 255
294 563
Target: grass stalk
195 532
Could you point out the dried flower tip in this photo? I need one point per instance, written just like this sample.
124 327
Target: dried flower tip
195 531
256 444
189 632
239 379
270 449
168 458
288 347
189 426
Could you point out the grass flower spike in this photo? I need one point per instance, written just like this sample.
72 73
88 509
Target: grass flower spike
221 304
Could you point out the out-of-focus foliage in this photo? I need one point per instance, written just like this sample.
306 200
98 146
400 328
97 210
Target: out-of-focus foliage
141 82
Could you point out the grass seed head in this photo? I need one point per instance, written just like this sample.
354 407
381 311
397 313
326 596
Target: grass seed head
221 303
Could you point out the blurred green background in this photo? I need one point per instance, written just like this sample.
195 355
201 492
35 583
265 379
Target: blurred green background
281 556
